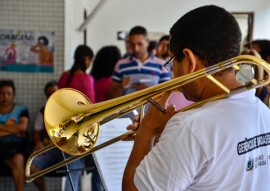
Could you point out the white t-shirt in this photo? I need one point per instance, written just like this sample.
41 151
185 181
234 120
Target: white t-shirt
223 145
39 122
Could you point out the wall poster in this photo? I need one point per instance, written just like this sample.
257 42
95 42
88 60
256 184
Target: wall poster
26 51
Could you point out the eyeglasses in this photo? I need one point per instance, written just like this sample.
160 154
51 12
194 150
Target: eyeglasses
169 64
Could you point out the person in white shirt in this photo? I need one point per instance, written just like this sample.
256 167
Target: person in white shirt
222 145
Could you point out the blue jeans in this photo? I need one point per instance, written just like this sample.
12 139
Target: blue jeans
55 156
96 182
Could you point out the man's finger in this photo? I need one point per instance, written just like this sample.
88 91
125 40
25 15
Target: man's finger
171 108
164 98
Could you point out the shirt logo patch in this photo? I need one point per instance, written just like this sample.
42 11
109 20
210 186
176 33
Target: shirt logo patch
253 143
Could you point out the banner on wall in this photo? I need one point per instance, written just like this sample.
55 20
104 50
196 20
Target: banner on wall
26 51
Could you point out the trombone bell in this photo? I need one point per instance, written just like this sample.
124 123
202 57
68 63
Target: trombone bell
71 135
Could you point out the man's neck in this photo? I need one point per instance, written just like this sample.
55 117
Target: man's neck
212 89
143 58
6 108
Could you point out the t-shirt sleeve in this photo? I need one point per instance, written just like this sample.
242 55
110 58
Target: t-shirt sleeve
24 113
173 163
39 122
117 75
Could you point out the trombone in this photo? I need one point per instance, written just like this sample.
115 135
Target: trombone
72 122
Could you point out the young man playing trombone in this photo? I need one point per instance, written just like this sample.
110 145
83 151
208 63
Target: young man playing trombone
221 145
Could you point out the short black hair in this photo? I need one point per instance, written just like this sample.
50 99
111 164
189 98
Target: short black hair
152 46
164 37
138 30
9 83
48 85
79 60
211 32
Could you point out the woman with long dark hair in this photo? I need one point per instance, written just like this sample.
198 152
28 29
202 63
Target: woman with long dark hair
77 77
103 66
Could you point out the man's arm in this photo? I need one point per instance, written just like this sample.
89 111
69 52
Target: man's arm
38 128
18 128
142 145
37 140
150 127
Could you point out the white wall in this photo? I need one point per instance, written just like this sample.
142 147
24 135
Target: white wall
262 22
74 16
159 15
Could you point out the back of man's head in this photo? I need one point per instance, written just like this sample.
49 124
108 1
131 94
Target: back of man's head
211 32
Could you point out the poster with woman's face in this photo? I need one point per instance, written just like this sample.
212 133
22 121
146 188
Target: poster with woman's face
26 51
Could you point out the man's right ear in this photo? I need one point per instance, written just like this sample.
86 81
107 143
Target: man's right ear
191 58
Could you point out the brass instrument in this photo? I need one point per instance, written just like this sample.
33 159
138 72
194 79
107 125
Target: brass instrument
72 122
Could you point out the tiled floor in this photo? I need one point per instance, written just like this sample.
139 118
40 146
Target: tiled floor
53 184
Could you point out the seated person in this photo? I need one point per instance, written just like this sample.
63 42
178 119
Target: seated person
52 156
14 121
41 137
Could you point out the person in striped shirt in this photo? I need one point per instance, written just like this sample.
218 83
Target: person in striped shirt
139 70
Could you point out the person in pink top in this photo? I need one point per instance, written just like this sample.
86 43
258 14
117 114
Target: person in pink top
77 77
102 70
